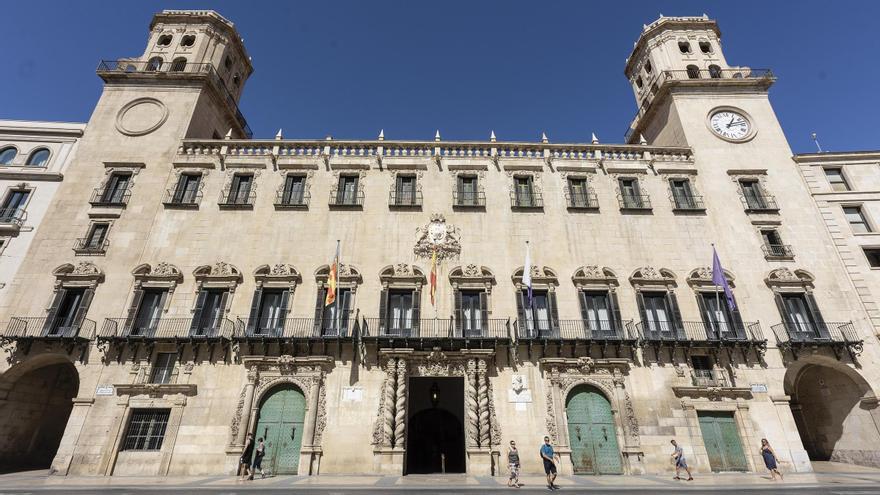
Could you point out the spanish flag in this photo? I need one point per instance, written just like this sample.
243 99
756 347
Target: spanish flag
433 275
332 279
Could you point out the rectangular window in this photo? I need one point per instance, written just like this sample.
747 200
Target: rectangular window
468 194
579 193
347 191
717 317
97 234
294 190
207 317
630 194
873 255
524 192
836 179
187 189
146 429
856 218
334 323
65 318
13 206
596 308
538 315
149 311
773 245
797 315
753 194
116 188
405 190
471 312
657 312
400 312
163 368
240 190
270 313
682 194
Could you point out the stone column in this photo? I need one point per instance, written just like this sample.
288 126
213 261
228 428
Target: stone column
244 422
310 454
388 412
483 404
400 407
471 409
67 448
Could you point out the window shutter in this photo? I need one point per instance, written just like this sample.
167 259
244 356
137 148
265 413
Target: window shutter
456 295
783 311
197 312
484 313
180 190
131 318
319 311
281 325
221 313
707 317
383 311
737 321
80 315
677 324
253 323
552 312
162 300
585 317
521 321
416 312
53 311
822 329
346 296
616 320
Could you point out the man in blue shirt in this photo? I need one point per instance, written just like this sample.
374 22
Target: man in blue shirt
549 458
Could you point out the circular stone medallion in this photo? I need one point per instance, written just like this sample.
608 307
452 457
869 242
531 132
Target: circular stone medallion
141 116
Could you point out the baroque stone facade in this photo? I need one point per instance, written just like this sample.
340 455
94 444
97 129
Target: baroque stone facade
211 316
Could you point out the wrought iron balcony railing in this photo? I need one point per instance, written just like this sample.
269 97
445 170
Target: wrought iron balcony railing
87 245
687 203
231 199
709 378
13 217
600 330
294 328
526 200
349 200
581 200
634 201
104 196
465 199
782 251
123 68
405 199
176 199
165 329
39 327
292 198
699 331
760 204
816 333
437 328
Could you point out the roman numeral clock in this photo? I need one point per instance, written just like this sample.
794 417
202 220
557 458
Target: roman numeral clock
731 125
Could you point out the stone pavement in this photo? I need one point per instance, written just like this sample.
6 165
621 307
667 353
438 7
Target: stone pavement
830 475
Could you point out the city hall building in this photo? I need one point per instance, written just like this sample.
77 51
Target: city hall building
174 299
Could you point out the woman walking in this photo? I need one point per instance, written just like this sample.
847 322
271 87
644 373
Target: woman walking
513 465
769 459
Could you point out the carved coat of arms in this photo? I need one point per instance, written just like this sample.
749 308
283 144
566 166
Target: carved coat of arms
437 236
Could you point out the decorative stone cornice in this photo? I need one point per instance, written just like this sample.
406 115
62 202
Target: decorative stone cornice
713 393
156 390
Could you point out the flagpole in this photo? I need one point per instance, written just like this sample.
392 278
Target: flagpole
337 301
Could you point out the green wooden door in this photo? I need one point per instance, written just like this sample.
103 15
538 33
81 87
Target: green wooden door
280 424
591 433
721 438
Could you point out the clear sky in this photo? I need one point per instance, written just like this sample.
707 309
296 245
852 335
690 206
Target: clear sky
351 68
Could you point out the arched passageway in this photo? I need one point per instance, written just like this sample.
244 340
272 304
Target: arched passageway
835 412
34 414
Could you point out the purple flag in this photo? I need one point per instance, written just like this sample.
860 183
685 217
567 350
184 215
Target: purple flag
720 280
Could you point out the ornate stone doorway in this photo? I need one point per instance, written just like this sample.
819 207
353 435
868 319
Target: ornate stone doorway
280 425
37 399
592 432
435 442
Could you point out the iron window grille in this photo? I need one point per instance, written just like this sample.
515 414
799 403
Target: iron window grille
146 429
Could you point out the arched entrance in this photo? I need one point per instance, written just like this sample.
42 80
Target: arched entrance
592 433
833 417
435 436
37 406
280 425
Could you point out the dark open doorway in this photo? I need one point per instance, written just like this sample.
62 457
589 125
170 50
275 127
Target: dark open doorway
435 437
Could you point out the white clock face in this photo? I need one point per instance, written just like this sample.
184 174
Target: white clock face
730 125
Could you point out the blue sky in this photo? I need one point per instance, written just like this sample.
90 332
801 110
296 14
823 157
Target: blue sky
350 68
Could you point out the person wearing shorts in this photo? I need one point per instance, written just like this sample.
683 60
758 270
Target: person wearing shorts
513 465
680 463
549 458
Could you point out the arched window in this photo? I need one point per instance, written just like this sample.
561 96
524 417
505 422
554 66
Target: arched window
648 67
714 71
178 64
705 47
38 158
693 72
639 82
164 40
155 63
8 154
188 40
684 47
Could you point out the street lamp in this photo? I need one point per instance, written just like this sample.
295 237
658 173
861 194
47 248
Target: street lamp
435 394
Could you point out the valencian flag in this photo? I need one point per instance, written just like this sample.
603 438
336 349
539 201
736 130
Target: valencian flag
720 280
332 279
433 275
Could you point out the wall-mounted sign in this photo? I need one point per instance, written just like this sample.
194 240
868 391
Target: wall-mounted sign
104 390
352 394
759 388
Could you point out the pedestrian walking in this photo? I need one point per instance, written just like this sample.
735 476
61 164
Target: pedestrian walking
770 459
513 465
258 459
245 461
680 463
549 458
